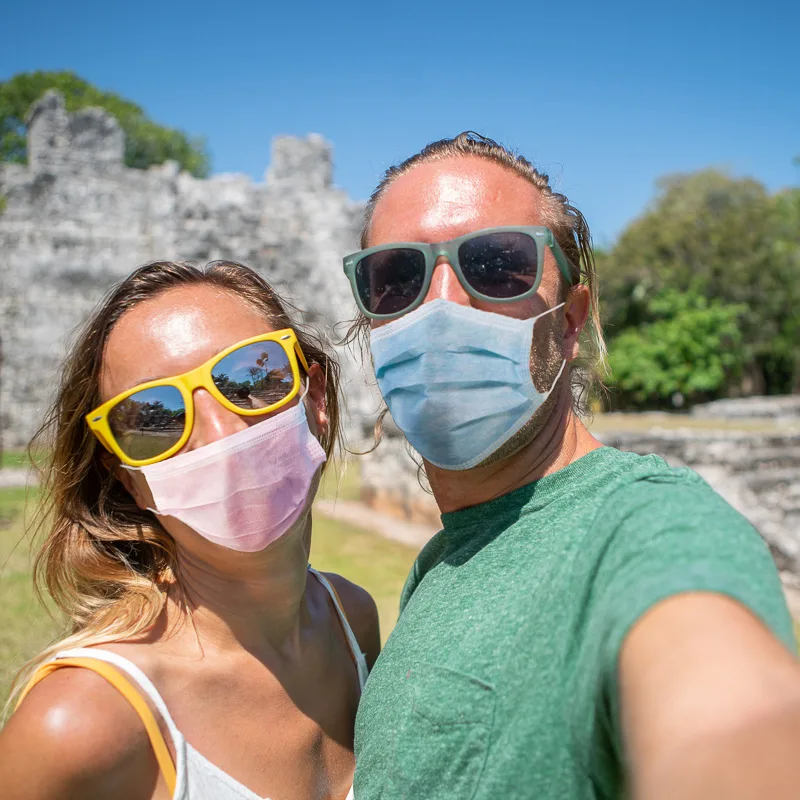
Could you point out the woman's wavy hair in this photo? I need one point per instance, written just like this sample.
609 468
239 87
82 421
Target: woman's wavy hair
106 564
567 224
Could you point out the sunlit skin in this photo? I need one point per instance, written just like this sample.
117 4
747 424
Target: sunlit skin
710 699
262 683
441 200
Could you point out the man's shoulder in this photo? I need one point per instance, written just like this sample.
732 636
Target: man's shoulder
664 530
666 518
624 476
650 479
626 466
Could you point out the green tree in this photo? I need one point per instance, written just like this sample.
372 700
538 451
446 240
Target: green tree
723 238
783 358
146 142
692 350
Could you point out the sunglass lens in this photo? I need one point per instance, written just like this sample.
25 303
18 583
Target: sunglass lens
254 376
389 281
148 423
501 264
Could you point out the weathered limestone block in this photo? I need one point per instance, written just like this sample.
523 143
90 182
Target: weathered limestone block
301 164
744 408
48 132
96 138
89 139
393 483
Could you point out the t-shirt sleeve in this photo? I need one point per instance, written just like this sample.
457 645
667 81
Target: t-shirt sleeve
428 558
664 535
410 585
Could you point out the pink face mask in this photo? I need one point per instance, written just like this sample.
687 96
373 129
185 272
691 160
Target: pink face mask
243 491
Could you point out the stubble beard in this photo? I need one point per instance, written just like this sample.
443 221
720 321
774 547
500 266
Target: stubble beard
545 362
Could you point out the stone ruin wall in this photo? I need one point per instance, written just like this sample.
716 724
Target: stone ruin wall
75 220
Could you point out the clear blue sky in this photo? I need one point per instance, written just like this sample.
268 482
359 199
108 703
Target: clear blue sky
606 97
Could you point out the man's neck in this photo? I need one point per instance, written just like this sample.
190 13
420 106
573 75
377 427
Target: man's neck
562 440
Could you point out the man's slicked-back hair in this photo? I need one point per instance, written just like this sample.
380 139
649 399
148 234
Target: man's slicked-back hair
565 221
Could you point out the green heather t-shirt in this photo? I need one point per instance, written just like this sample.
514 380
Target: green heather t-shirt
499 680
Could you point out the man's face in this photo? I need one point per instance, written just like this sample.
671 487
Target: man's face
441 200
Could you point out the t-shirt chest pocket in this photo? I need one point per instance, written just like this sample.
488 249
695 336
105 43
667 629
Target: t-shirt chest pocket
443 740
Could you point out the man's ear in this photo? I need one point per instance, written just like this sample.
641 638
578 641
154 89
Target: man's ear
316 399
576 312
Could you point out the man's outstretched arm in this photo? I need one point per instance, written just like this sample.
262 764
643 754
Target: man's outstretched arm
709 704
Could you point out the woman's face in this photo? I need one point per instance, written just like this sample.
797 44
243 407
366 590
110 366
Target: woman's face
176 332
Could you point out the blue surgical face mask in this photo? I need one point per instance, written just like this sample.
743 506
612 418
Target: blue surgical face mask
457 380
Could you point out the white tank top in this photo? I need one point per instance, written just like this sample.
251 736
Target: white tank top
197 777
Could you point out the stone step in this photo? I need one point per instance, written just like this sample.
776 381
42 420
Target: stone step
747 459
770 478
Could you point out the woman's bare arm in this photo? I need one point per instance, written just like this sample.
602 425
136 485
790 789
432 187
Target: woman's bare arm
76 738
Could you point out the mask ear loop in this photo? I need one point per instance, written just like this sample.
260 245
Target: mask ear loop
564 361
553 384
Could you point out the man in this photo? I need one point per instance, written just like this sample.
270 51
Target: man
589 623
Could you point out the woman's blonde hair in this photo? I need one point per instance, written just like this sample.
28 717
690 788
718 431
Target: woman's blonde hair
107 564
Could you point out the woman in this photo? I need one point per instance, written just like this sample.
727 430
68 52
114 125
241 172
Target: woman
189 432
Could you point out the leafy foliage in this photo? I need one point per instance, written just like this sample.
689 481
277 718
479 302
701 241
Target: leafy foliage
146 142
712 236
692 350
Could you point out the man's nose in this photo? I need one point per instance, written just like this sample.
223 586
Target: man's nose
445 285
212 421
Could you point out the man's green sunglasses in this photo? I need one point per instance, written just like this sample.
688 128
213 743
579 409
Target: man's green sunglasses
495 265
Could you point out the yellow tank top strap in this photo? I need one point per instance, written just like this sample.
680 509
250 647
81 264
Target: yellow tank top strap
130 693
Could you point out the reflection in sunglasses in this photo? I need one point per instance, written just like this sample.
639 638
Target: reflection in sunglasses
148 422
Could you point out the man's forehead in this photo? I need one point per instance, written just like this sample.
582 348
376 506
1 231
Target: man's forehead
441 200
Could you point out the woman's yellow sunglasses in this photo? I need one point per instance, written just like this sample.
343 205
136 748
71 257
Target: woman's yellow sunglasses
152 421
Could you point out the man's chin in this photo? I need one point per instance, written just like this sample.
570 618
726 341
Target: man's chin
526 435
521 439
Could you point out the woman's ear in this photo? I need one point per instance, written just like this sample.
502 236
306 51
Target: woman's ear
316 399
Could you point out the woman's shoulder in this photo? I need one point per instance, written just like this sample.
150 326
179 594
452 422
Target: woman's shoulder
362 614
75 736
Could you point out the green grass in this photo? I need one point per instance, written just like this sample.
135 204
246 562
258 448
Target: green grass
14 459
379 565
25 627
